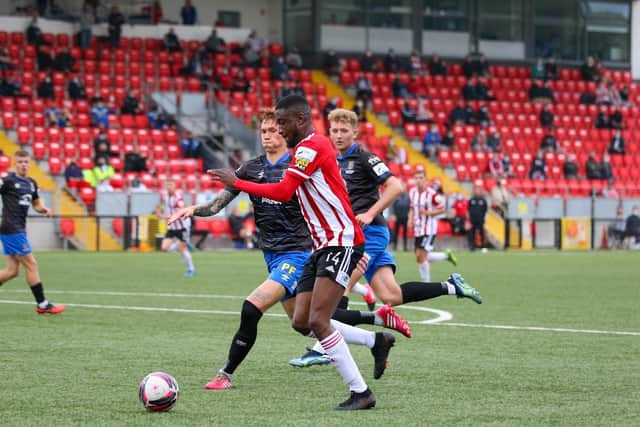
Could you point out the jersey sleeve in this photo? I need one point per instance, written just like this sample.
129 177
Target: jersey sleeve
35 195
375 167
306 160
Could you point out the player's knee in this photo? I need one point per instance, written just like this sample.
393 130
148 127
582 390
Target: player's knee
300 325
319 325
13 272
249 316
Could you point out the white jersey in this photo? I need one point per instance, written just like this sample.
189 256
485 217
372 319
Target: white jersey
429 199
170 205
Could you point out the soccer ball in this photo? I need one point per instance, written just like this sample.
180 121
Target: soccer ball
158 392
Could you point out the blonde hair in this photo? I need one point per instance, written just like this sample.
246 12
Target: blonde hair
267 114
343 115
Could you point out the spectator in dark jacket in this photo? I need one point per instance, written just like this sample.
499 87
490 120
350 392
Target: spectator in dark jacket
63 61
546 117
115 22
632 225
33 33
458 116
469 91
589 70
130 105
437 67
171 41
44 59
538 167
188 13
72 172
400 210
45 89
602 120
331 63
279 69
400 90
468 67
570 167
592 168
214 44
616 146
616 121
190 146
549 142
477 211
367 63
76 89
391 62
606 168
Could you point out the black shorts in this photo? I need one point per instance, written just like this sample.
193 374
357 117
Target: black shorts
177 234
425 242
336 262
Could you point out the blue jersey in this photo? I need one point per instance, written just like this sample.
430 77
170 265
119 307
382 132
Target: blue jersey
282 226
18 193
363 172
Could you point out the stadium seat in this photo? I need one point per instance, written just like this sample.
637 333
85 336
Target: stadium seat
55 165
67 227
88 196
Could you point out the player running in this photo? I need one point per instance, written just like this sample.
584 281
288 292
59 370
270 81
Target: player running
19 192
427 204
364 174
286 245
177 231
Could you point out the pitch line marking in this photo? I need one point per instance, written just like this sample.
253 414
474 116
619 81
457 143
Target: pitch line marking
423 322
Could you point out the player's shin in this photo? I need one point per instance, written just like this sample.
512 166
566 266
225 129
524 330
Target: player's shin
335 346
244 338
420 291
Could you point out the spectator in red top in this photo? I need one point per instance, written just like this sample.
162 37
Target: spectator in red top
156 12
496 167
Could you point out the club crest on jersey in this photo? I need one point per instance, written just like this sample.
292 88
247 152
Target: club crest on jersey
350 167
304 156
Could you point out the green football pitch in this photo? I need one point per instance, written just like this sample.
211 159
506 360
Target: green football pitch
556 342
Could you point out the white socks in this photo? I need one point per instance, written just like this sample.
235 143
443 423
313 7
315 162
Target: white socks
351 335
359 289
188 261
436 256
451 290
425 271
338 350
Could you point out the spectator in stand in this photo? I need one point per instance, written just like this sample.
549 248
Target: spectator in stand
171 42
431 142
589 70
470 115
545 94
400 211
606 168
549 142
500 197
190 146
137 186
415 63
364 90
115 22
602 119
72 173
130 105
546 117
197 64
479 142
399 89
331 63
481 66
360 110
539 70
469 92
87 19
437 67
102 170
5 61
458 214
468 67
294 60
423 115
482 115
449 140
156 12
616 120
570 167
632 226
57 116
254 42
623 93
587 98
45 88
477 210
458 116
100 115
494 142
483 93
603 94
538 167
616 146
135 162
75 89
44 59
214 44
241 84
34 33
104 186
615 230
391 64
63 61
552 68
506 164
279 69
10 86
408 114
188 13
101 145
367 62
592 168
496 167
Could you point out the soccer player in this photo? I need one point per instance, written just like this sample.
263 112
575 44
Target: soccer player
170 201
364 174
286 245
338 241
19 192
426 205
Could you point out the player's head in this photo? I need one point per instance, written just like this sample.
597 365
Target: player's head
170 185
343 128
272 141
22 160
420 176
293 115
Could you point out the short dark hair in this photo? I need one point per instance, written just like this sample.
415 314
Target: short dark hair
295 103
22 153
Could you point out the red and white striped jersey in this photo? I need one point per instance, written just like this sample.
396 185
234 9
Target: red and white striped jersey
170 205
323 196
428 199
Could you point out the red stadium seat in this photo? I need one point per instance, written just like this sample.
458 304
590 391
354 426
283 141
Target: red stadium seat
55 166
67 227
88 195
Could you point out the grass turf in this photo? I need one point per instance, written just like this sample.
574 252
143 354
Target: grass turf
82 367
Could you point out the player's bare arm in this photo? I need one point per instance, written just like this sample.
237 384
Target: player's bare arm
392 190
39 207
205 209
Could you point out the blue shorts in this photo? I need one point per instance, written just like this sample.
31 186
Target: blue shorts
286 268
15 244
376 243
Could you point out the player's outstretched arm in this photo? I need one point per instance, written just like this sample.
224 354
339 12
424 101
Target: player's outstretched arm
206 209
281 191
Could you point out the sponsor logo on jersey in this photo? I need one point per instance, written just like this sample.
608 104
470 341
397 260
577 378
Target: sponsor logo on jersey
270 202
374 159
304 156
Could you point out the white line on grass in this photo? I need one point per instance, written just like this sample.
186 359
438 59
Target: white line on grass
440 320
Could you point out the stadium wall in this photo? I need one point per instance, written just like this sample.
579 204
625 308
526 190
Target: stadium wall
635 40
